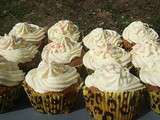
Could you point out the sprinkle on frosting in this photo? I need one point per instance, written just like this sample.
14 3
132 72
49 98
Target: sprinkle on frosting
62 53
97 58
16 49
146 54
63 30
99 37
28 32
113 78
138 32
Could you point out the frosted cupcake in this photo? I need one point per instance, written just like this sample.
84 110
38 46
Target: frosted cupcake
145 54
18 50
137 32
53 88
97 58
65 52
10 80
113 93
99 37
62 30
150 75
31 33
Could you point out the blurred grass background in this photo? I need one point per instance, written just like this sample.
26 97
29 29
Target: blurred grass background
87 14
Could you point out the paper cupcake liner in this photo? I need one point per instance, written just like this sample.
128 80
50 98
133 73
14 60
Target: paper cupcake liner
8 98
54 102
155 101
154 97
112 105
31 64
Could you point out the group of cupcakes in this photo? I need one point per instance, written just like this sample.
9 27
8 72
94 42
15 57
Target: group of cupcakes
20 51
47 63
54 65
121 69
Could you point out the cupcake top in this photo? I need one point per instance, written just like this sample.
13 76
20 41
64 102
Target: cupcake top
28 32
51 77
146 54
63 30
113 78
62 53
151 75
99 37
138 32
16 49
10 75
97 58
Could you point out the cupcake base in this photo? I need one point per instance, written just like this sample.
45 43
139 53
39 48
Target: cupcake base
54 102
8 97
127 45
78 64
112 105
42 43
30 65
134 71
154 97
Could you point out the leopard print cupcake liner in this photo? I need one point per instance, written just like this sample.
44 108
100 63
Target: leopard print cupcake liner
155 101
8 99
112 105
54 102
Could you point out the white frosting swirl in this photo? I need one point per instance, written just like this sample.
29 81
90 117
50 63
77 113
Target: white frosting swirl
113 78
63 30
17 50
138 32
51 77
28 32
97 58
99 38
145 54
151 75
10 75
62 52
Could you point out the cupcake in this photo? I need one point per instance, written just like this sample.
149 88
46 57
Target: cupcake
31 33
53 88
113 93
97 58
150 75
10 80
145 54
62 30
137 32
65 52
99 37
18 50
